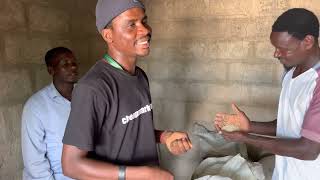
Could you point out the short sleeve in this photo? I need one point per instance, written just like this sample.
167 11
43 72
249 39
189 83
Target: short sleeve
85 117
311 123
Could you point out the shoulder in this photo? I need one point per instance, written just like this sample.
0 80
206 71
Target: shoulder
38 99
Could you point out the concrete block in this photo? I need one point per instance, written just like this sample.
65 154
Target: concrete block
61 42
10 151
260 113
228 50
11 15
199 28
181 91
97 49
157 89
83 24
235 9
181 9
144 66
42 77
243 8
80 50
15 84
157 109
171 50
279 73
48 20
259 28
224 29
170 29
163 50
264 94
195 92
228 93
203 112
256 73
57 4
87 7
313 5
12 122
22 49
206 71
158 70
157 10
264 50
178 91
173 115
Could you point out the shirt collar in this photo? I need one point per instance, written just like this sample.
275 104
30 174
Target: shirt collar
53 92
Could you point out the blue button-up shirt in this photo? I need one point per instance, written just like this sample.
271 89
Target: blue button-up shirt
44 119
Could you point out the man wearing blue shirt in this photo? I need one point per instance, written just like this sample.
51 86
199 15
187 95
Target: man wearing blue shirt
45 116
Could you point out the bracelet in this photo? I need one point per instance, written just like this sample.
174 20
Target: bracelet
122 173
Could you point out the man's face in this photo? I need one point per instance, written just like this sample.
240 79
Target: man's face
288 49
131 34
64 68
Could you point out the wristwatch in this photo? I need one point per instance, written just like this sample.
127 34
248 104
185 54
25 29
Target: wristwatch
122 173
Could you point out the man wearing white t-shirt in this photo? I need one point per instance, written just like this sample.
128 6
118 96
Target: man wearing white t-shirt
297 127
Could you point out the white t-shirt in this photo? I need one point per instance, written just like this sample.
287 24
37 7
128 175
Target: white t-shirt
299 115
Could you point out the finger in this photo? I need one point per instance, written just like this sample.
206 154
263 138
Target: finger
220 115
218 119
175 148
236 109
186 144
217 127
181 147
188 140
175 145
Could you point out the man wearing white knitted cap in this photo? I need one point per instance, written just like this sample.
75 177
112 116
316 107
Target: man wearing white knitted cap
110 132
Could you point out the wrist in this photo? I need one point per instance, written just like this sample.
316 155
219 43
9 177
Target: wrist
122 173
247 129
164 136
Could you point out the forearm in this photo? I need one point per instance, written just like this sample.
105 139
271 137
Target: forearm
36 164
263 128
79 166
93 169
295 148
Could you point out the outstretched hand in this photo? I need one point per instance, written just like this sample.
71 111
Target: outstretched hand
232 122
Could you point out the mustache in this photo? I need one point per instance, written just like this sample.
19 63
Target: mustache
145 38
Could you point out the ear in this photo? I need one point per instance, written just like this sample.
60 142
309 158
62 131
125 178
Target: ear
107 35
50 70
308 42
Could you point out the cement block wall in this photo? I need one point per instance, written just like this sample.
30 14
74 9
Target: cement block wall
28 28
205 55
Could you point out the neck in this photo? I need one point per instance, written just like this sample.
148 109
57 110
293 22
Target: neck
126 62
313 59
65 89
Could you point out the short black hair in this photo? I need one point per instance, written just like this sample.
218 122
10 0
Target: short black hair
53 53
298 22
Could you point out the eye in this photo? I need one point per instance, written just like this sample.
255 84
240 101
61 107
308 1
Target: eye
145 21
132 24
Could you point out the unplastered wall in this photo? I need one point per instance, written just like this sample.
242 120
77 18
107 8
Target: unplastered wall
206 54
28 28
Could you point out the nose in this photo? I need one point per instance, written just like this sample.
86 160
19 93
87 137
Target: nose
145 29
277 53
